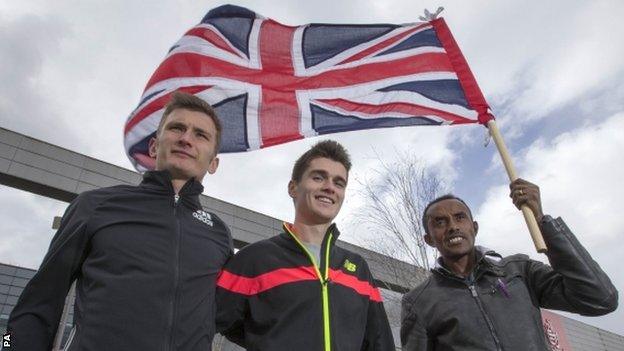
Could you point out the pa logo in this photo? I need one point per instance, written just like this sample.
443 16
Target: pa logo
6 341
203 216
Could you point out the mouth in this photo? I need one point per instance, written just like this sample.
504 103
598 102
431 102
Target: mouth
455 240
182 153
325 199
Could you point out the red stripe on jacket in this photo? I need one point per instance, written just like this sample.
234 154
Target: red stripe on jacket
266 281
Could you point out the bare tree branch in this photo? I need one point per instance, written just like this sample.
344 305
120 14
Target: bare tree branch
395 196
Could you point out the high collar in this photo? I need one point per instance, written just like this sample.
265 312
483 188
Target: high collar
480 262
333 229
160 181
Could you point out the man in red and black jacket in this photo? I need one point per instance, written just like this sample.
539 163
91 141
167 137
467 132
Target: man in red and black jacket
298 290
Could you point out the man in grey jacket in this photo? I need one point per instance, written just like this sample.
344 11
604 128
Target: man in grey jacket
476 300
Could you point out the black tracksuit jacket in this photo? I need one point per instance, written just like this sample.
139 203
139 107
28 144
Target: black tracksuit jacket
272 296
146 263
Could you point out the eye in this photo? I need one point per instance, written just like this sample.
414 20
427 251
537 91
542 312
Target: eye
460 216
203 136
317 178
340 184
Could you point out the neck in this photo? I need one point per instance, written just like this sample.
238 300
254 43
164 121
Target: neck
178 184
310 233
461 266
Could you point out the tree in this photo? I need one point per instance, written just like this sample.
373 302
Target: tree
394 196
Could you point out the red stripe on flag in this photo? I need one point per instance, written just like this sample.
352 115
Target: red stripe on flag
474 96
194 65
279 113
360 286
159 104
255 285
400 107
212 37
382 45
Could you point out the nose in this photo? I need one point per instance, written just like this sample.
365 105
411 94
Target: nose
329 186
185 138
453 226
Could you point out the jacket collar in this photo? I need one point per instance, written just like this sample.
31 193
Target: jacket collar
160 181
482 264
333 230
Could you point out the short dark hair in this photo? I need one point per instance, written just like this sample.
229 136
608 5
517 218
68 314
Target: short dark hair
327 149
182 100
438 199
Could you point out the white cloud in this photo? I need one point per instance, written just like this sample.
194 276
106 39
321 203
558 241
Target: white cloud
579 174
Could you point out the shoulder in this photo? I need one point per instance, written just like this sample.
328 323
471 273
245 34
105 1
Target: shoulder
252 253
90 199
419 292
510 260
100 194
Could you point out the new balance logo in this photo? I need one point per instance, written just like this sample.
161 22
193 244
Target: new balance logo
203 216
350 266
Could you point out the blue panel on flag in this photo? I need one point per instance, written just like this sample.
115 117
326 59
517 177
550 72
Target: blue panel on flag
150 96
142 147
324 41
234 23
325 121
231 113
447 91
425 38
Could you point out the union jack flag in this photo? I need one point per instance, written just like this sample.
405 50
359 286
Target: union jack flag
270 83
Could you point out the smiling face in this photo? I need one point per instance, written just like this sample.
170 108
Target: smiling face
186 145
451 229
318 195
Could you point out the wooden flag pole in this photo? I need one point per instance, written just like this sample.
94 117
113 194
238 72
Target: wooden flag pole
529 217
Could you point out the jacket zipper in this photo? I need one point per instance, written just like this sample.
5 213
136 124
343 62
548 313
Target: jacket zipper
176 272
474 294
324 280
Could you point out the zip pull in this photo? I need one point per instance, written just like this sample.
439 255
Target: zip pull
176 198
473 291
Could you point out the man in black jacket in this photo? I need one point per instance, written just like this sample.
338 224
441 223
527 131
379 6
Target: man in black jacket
298 290
474 300
145 257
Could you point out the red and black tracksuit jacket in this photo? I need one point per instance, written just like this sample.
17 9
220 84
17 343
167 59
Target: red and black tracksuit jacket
272 295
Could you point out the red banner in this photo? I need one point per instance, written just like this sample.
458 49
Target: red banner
555 333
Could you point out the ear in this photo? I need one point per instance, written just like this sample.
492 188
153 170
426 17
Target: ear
476 227
214 164
429 241
152 146
292 189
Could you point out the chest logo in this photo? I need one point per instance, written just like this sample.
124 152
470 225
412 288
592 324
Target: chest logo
203 216
350 266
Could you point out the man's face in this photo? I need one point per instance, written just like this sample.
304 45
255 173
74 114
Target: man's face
186 144
451 230
319 194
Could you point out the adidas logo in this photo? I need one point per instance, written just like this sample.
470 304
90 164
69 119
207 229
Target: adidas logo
203 216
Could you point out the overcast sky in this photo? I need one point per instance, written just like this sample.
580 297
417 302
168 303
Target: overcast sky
553 72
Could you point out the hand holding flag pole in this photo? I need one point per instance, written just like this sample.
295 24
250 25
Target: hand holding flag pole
529 216
477 101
